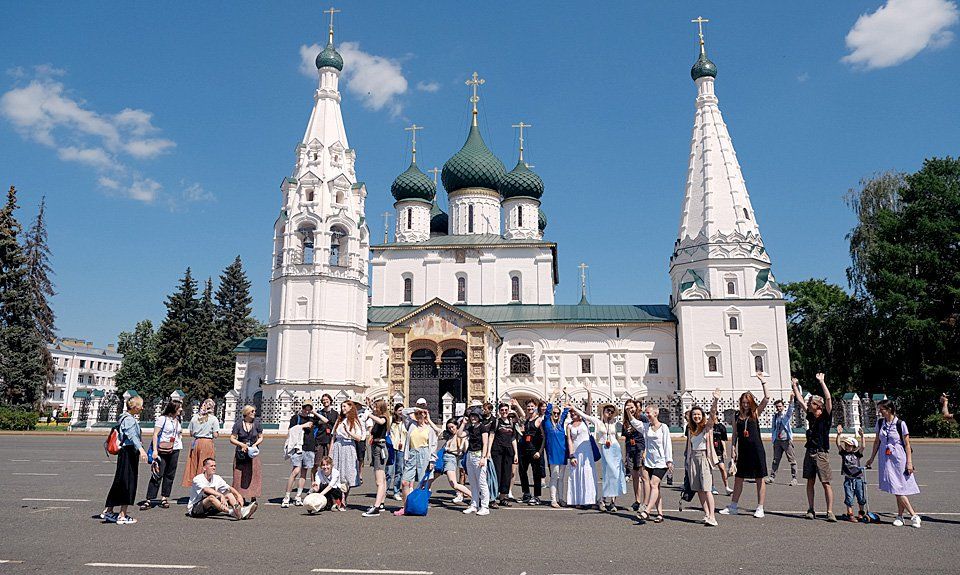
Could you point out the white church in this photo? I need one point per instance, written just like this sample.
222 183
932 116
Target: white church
460 306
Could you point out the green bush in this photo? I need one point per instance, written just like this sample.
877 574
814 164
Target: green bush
16 419
938 426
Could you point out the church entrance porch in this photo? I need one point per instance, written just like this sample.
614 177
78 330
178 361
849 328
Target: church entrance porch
438 349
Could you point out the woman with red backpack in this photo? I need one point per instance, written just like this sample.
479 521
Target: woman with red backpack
123 492
896 461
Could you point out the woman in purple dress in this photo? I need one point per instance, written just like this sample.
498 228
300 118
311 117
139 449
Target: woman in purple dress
896 461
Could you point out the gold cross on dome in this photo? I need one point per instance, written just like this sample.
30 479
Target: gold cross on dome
583 279
434 171
700 21
331 11
413 128
475 81
521 126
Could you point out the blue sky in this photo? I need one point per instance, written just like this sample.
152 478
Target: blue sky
165 128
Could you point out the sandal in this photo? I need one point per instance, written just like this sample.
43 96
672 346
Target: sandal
165 503
643 514
144 506
658 519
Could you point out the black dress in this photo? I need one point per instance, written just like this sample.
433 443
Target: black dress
751 457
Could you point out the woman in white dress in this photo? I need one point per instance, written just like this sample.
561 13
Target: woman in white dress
608 431
581 475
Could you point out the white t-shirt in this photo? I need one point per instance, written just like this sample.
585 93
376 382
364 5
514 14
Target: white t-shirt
200 483
169 428
322 480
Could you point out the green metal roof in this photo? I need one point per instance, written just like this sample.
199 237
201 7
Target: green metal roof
521 181
357 186
474 166
378 316
413 185
251 344
329 57
439 220
81 394
703 67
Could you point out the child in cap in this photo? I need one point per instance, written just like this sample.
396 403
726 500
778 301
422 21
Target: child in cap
851 452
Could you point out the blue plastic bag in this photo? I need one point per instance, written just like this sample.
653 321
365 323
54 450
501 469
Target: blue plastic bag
440 465
419 499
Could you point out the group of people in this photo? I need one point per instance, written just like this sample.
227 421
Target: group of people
577 454
209 493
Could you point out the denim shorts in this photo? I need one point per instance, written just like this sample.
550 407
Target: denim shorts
303 459
853 487
415 464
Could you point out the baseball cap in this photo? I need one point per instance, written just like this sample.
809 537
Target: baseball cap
851 441
421 401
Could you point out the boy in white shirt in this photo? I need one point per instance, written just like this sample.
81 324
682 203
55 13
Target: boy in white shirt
327 483
210 495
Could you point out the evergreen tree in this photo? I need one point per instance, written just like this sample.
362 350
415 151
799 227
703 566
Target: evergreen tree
23 371
37 255
205 345
139 370
176 338
234 322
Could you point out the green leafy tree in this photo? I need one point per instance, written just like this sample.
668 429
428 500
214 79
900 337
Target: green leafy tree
176 338
139 370
23 370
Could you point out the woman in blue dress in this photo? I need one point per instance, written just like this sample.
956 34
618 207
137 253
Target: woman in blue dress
896 461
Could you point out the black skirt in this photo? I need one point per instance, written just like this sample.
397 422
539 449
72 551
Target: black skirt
124 488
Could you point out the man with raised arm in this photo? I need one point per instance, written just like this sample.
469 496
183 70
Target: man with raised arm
816 461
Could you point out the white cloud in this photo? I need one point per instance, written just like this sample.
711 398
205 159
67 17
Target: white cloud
803 77
899 30
428 86
377 80
144 190
43 110
195 193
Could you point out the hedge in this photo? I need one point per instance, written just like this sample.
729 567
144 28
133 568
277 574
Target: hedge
16 419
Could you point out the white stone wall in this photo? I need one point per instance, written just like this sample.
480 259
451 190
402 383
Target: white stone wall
704 330
527 227
486 211
488 273
413 221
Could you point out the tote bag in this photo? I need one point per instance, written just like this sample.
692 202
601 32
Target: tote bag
419 499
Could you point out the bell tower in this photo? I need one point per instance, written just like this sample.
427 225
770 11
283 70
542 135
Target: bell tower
318 286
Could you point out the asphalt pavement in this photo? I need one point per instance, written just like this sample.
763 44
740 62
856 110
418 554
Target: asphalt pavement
51 488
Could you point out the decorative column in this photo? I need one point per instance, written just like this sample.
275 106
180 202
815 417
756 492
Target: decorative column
476 363
230 400
397 398
397 370
447 400
286 410
75 413
94 412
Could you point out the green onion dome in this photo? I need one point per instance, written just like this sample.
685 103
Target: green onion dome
413 185
521 182
474 166
541 220
439 220
329 58
703 67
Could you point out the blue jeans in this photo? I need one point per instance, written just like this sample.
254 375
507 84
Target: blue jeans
395 472
853 487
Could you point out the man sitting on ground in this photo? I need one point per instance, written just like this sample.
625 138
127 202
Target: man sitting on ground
210 495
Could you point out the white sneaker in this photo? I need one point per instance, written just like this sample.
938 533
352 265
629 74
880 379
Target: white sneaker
915 521
793 482
768 479
730 510
469 510
712 522
248 510
285 503
898 522
483 511
458 498
298 501
729 491
758 513
398 497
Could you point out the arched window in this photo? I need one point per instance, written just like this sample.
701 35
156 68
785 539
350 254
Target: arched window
339 196
407 290
758 363
309 195
470 219
338 247
520 364
734 323
515 288
409 218
519 216
461 289
307 242
731 288
712 364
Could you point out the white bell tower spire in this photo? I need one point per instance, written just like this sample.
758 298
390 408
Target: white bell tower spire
318 288
731 312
